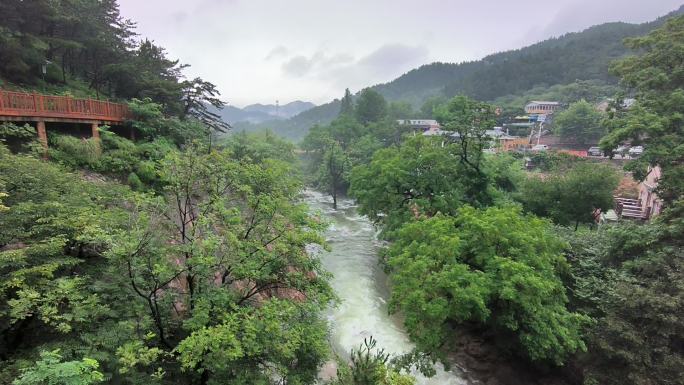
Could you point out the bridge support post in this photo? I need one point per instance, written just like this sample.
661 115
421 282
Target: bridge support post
42 136
96 136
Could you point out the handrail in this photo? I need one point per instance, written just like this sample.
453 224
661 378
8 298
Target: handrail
32 105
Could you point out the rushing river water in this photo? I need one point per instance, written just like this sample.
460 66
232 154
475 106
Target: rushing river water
362 286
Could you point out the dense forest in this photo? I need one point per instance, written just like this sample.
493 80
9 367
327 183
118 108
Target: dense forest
181 258
581 56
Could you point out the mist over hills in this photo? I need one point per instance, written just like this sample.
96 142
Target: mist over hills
584 55
258 113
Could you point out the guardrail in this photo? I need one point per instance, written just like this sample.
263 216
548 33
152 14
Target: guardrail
19 104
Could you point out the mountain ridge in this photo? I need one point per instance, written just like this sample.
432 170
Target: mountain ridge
583 55
259 113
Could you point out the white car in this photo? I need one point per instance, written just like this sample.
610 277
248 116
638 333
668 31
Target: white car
595 151
636 151
540 147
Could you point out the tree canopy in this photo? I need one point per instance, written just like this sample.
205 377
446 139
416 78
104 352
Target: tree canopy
493 267
581 122
656 119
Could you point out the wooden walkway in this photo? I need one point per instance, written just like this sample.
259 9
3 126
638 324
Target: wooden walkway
19 106
25 107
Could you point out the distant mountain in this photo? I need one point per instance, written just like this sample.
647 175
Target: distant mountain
575 56
258 113
285 111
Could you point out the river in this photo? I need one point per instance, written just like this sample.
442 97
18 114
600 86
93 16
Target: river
361 284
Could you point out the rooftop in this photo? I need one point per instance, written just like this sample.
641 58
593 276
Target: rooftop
543 102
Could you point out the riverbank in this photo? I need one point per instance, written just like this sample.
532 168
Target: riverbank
362 287
361 284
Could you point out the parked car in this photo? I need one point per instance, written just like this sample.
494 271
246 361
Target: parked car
595 151
540 147
621 151
636 151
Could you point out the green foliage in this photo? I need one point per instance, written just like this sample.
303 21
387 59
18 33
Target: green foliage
50 370
227 249
550 161
370 107
656 120
135 182
629 278
593 91
581 122
114 156
332 151
53 227
400 110
495 268
427 110
19 138
570 197
347 104
236 344
152 286
257 147
72 151
370 366
421 177
427 175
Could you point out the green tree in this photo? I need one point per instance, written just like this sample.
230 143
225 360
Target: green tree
427 175
370 366
421 177
400 110
494 268
427 110
197 95
370 107
51 371
333 150
656 118
629 278
570 197
258 147
469 120
581 122
347 104
226 247
333 172
52 223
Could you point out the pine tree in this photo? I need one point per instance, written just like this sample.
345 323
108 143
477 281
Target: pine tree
347 107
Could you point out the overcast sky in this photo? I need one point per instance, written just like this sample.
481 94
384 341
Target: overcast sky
267 50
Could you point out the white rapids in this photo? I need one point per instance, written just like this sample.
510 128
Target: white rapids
361 284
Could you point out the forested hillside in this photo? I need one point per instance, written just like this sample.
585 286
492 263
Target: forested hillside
575 56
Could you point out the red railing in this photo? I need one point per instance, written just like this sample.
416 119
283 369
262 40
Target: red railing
19 104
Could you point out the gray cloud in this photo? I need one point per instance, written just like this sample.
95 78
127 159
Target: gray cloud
393 57
320 61
260 50
277 52
298 66
576 16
